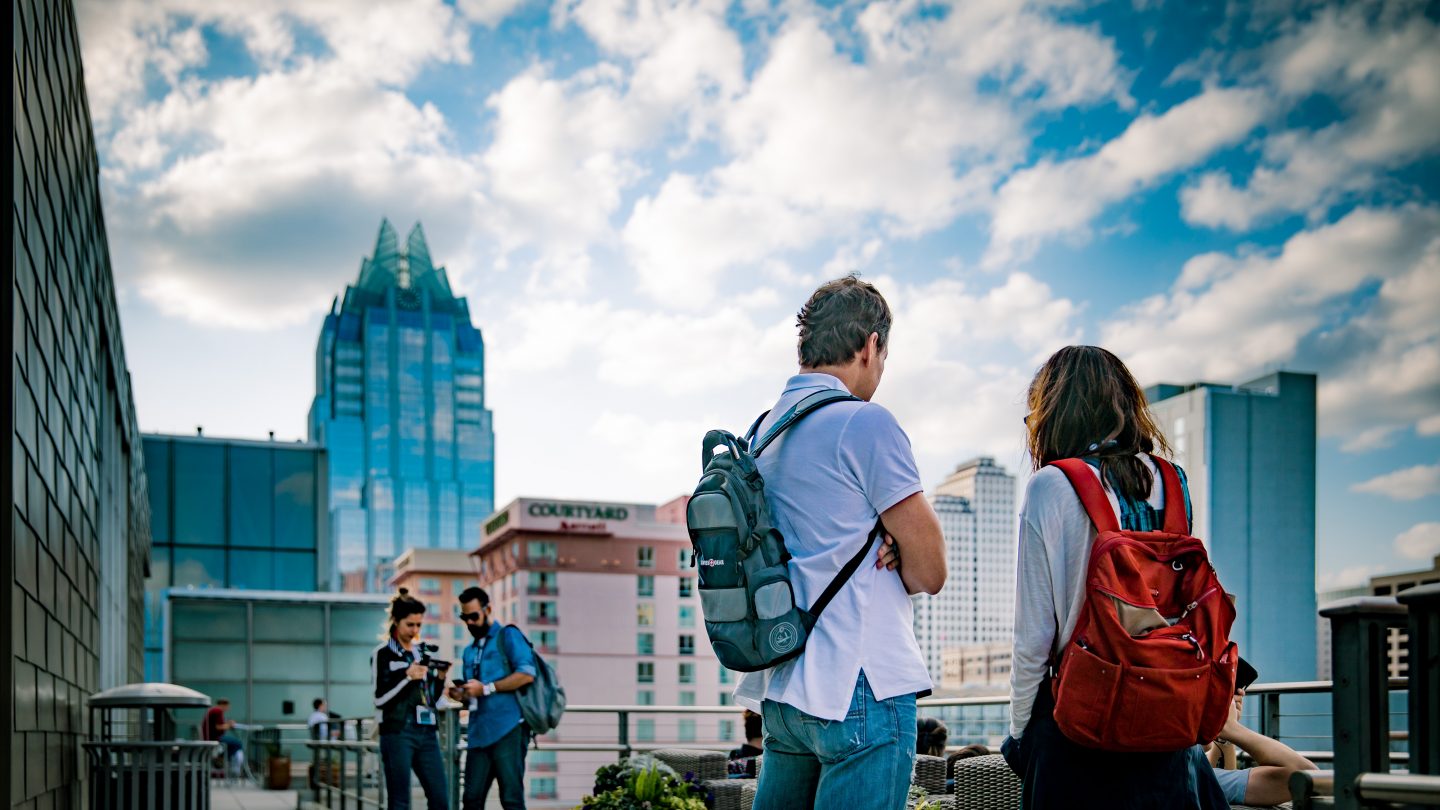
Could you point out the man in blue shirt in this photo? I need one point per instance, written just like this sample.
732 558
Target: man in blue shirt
497 663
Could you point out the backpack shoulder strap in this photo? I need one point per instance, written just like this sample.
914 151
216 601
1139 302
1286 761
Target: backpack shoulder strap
1092 495
1176 521
798 411
846 571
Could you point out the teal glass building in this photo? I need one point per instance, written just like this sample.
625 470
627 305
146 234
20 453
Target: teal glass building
400 409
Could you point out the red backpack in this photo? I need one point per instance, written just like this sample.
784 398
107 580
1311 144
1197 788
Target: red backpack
1150 666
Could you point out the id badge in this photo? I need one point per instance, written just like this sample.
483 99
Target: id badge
424 716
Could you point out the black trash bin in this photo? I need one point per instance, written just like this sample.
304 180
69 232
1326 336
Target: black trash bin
137 761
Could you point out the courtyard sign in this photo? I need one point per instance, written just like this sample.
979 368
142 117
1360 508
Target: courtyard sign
577 511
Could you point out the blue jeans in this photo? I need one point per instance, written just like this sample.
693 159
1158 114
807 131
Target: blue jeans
502 760
414 748
858 763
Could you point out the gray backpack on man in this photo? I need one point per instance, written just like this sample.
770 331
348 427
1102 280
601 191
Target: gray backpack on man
542 702
745 594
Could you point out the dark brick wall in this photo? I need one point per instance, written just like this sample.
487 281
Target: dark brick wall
68 377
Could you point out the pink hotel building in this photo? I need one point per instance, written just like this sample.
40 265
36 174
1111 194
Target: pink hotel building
607 592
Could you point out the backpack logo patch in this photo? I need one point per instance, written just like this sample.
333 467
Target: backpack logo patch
783 637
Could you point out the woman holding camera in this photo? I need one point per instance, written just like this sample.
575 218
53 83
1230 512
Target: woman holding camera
406 689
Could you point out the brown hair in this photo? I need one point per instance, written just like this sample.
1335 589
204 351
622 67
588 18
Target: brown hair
930 737
1085 402
402 604
838 319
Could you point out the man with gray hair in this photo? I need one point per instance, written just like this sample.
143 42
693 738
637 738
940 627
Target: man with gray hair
840 718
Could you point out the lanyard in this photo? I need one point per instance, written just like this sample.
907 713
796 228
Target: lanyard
410 658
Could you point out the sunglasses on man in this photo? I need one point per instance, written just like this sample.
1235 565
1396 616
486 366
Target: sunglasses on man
474 616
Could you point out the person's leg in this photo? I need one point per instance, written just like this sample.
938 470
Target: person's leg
478 773
430 769
395 761
791 771
508 760
867 759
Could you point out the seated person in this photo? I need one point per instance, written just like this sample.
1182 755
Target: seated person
217 729
975 750
1268 781
754 738
930 737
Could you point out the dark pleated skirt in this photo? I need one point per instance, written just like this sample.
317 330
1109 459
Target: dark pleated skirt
1059 774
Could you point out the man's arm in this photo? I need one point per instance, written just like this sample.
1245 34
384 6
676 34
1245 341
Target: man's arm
916 530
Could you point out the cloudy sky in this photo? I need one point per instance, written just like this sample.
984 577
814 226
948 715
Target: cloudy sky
636 196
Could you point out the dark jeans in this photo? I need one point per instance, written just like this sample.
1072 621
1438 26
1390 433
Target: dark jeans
503 760
1059 774
415 748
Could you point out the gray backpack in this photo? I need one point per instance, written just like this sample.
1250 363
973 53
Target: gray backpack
542 702
745 594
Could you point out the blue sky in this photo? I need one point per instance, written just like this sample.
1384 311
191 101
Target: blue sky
636 196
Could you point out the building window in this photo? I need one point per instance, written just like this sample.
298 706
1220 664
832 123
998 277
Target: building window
687 645
724 675
542 787
541 552
687 557
686 732
723 699
687 672
429 586
543 612
727 730
645 729
543 583
644 697
644 643
687 698
645 672
645 557
687 615
644 585
541 761
645 614
546 641
687 587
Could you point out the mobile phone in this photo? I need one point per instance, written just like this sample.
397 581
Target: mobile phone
1245 674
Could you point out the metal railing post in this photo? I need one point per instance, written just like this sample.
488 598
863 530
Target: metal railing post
452 755
1270 715
1360 701
624 737
1424 671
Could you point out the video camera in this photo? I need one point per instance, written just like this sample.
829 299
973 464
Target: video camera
427 659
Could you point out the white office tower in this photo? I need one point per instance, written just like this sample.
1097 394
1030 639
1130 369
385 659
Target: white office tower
976 506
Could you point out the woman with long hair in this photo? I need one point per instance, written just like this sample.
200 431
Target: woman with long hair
1084 403
405 693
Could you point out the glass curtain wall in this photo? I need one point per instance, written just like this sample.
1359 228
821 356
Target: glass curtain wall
230 514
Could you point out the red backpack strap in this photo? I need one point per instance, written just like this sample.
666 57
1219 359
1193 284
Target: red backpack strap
1176 521
1092 496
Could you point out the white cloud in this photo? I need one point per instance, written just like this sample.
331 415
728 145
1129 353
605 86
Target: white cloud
488 12
1429 426
1352 577
1419 542
1380 67
1409 484
1379 366
1055 198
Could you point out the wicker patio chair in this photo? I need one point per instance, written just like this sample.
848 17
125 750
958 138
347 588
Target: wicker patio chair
706 765
986 783
930 774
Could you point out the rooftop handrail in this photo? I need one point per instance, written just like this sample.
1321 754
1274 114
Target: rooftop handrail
1411 789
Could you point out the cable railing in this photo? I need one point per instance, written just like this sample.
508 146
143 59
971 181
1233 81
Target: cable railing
1382 748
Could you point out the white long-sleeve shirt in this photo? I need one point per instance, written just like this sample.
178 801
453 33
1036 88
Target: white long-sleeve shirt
1054 551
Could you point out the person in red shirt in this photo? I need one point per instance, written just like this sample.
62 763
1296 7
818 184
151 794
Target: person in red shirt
217 729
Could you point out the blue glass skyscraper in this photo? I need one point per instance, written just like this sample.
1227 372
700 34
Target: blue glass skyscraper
400 408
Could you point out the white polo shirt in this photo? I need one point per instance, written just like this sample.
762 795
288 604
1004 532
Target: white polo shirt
827 480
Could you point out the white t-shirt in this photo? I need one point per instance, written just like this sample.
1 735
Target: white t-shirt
321 719
827 480
1054 552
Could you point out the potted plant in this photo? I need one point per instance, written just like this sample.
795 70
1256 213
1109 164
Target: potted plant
642 783
277 767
